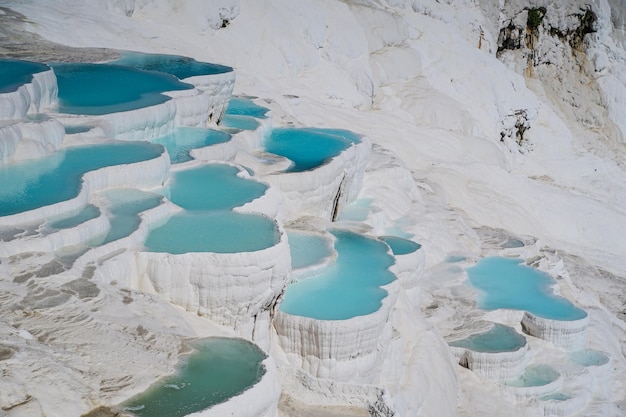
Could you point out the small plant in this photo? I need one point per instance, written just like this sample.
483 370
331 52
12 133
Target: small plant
535 17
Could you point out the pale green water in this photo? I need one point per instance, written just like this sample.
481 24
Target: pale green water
535 376
218 369
557 396
589 357
350 287
507 283
499 338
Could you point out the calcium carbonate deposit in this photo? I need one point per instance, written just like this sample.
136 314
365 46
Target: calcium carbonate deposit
321 208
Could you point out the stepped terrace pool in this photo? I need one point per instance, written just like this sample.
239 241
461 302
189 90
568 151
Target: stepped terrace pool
499 338
176 65
213 231
31 184
349 287
15 73
218 369
307 248
180 142
308 148
507 283
589 357
535 376
96 89
400 246
125 206
245 107
208 193
239 122
212 187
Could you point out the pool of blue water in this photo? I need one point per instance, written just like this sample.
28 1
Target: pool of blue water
96 89
307 148
508 283
73 129
213 231
176 65
242 106
239 122
245 107
557 396
211 187
400 246
180 142
87 213
218 369
535 376
31 184
499 338
15 73
307 248
125 206
589 357
349 287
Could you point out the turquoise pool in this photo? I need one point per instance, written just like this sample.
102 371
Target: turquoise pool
31 184
508 283
213 231
176 65
307 148
307 248
245 107
499 338
535 376
96 89
239 122
400 246
218 369
180 142
348 288
15 73
589 357
212 187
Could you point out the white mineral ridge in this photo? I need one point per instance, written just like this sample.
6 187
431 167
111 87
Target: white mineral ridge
30 98
29 139
315 191
230 288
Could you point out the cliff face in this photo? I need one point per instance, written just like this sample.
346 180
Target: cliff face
573 48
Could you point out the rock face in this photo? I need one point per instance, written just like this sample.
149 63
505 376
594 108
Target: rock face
566 45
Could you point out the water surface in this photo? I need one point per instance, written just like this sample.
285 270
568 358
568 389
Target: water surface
347 288
15 73
218 369
499 338
508 283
